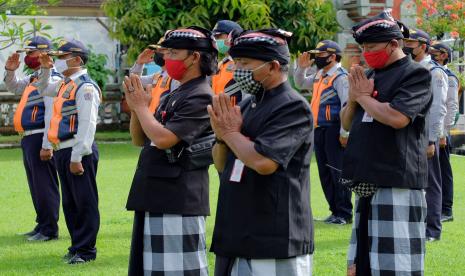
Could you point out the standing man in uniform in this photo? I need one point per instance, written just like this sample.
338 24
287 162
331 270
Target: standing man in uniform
72 131
330 89
31 121
417 45
385 161
223 81
441 53
264 222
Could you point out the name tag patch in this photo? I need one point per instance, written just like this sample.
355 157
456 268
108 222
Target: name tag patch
238 169
367 118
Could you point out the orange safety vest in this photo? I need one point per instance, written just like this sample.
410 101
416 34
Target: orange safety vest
64 122
224 77
161 85
30 112
325 103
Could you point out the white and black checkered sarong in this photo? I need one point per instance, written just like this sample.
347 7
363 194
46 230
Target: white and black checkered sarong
174 245
388 236
296 266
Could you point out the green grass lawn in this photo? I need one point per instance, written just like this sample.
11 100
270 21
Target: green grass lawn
18 257
109 136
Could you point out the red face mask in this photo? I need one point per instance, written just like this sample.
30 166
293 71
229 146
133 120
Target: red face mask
377 59
32 62
175 68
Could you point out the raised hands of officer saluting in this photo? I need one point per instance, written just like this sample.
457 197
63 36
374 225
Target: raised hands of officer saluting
135 94
45 60
12 62
305 60
145 57
359 84
225 117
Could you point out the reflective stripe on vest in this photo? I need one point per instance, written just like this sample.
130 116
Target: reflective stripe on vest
64 122
161 84
30 112
224 77
451 74
323 91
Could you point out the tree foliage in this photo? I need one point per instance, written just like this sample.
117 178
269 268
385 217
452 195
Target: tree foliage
23 7
12 33
442 19
138 23
96 67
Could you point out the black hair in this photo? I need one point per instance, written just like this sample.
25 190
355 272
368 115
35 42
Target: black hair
338 58
208 62
84 57
284 68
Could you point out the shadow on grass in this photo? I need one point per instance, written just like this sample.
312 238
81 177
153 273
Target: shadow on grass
48 264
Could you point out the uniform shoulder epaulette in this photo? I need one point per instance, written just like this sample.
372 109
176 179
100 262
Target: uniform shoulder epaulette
340 72
85 78
434 65
56 74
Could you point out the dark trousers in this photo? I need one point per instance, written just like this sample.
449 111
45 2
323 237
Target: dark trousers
43 184
80 202
434 197
329 151
447 179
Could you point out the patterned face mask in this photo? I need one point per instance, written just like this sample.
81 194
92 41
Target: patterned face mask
244 77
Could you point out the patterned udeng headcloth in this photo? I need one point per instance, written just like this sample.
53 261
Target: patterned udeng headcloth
190 38
266 45
380 28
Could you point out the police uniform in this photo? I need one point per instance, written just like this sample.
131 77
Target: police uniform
263 224
449 120
72 131
169 197
387 166
223 81
329 93
438 111
31 121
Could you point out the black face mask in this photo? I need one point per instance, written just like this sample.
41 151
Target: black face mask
322 62
409 51
435 57
158 59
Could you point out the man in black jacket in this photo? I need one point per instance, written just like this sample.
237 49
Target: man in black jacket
263 222
385 162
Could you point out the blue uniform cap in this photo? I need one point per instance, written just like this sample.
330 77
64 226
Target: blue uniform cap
70 46
442 47
420 36
327 46
36 43
226 26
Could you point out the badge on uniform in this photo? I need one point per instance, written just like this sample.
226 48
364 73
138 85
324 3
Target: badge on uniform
326 81
238 169
88 96
367 118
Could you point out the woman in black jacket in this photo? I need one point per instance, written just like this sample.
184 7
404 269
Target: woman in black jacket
169 193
